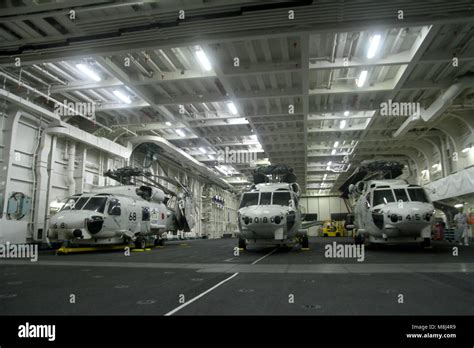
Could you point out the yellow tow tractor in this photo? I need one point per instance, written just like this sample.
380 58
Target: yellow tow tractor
333 229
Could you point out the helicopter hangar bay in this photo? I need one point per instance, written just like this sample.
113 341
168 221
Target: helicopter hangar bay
282 155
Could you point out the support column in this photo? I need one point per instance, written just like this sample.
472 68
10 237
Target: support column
9 135
43 182
71 152
80 171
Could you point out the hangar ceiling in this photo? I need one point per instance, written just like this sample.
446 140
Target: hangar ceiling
305 91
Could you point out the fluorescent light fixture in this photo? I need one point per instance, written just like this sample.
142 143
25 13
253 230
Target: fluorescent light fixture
168 123
203 150
435 165
333 152
85 69
336 144
224 170
329 163
325 176
211 157
459 205
238 120
180 133
373 45
202 58
232 108
466 149
122 96
342 125
362 77
346 113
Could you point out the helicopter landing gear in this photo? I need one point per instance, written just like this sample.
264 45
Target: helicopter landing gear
140 243
426 243
242 244
304 242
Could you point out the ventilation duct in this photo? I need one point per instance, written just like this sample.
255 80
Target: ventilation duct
439 106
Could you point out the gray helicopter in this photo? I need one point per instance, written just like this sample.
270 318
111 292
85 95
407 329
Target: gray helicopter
133 212
385 209
269 213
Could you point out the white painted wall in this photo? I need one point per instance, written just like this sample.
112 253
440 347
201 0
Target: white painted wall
323 206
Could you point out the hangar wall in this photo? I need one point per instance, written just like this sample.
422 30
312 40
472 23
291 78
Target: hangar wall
44 168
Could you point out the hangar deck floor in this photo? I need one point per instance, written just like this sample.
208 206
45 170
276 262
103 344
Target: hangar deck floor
432 281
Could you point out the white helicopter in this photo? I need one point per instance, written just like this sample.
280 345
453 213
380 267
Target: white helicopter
387 210
123 214
269 213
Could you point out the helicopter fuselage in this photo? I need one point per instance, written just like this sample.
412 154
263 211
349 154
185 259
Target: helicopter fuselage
109 218
392 211
269 215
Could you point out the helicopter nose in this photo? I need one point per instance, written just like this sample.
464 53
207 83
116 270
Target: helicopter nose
263 218
422 216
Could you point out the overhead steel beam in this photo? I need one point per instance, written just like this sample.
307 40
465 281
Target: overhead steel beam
369 88
151 39
341 63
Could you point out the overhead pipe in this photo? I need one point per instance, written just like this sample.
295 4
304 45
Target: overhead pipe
60 128
35 77
47 73
439 106
34 90
66 130
140 67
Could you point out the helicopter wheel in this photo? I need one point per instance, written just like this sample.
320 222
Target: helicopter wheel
140 243
426 243
305 242
359 239
242 244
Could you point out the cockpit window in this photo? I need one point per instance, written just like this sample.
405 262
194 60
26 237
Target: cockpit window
281 198
383 197
418 195
265 198
74 203
80 203
69 203
96 204
401 195
249 199
114 207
